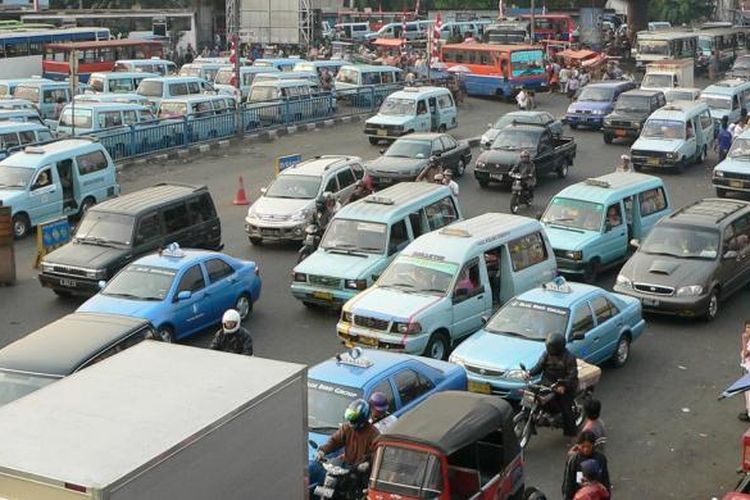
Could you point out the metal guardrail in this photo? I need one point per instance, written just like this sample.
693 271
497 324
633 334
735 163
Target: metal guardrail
169 133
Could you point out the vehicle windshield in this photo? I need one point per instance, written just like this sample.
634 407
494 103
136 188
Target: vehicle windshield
82 118
263 93
408 472
16 385
96 83
139 282
740 149
533 321
171 109
515 140
28 93
190 71
394 106
653 81
716 101
526 63
510 118
326 404
575 214
102 228
14 177
224 76
406 148
302 187
679 95
150 88
412 274
663 129
348 75
355 236
683 242
596 94
633 104
655 47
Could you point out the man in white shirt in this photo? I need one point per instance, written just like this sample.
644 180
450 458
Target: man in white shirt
522 99
448 181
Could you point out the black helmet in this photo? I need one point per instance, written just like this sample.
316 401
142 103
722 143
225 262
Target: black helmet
555 344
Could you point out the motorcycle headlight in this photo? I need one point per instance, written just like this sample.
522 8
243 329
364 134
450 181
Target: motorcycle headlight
624 281
301 215
575 255
689 291
515 374
356 284
300 277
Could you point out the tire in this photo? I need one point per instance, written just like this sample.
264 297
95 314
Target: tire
166 333
373 141
514 204
460 167
254 240
21 225
622 352
438 347
522 428
607 138
86 204
592 271
721 193
712 309
244 306
483 183
562 172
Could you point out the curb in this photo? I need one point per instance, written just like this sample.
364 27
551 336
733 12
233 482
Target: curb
251 138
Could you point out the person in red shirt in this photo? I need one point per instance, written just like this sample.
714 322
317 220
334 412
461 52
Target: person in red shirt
591 488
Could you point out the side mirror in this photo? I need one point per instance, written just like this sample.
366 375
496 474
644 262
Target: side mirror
312 444
184 295
523 367
730 255
263 190
635 243
102 284
485 319
578 336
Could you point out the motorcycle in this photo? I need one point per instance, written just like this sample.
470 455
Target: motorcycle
520 193
310 243
341 483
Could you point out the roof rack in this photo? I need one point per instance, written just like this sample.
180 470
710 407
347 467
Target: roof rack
597 183
455 231
713 207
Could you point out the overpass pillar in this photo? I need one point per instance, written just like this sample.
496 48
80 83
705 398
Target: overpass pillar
638 15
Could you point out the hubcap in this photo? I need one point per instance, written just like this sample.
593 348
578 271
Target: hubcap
166 335
437 350
713 306
19 228
243 306
461 167
622 351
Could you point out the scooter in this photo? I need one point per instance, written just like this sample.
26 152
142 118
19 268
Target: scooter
520 194
310 243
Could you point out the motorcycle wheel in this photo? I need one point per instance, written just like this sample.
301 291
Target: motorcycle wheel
522 428
514 203
578 411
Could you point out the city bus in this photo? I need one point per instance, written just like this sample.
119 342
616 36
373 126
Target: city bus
717 41
654 46
21 50
552 27
497 70
94 57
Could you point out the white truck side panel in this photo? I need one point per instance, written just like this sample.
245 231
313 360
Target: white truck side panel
19 488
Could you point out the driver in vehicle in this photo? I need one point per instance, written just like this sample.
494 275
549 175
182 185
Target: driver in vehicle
558 366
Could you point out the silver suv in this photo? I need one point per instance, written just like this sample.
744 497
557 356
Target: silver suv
288 203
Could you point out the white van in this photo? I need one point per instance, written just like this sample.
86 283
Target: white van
726 98
225 78
165 87
161 67
116 82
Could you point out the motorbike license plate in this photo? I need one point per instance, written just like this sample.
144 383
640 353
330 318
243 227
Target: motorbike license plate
480 387
371 341
653 161
620 132
382 132
323 295
650 302
735 184
496 177
68 283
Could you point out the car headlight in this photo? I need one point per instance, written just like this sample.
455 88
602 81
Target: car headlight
515 374
300 277
571 110
624 281
689 291
457 360
95 274
356 284
598 112
301 215
575 255
481 164
252 213
717 173
608 122
346 316
672 156
47 268
637 124
406 327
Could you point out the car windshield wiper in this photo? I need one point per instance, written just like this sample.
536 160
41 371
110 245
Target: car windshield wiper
666 254
399 285
125 295
431 290
96 240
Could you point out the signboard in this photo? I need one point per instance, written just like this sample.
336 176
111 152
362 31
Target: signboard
51 235
284 162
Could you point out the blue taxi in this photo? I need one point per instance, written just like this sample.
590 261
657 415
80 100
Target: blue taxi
598 325
405 380
180 291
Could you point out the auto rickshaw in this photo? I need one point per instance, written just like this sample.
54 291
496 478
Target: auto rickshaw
454 445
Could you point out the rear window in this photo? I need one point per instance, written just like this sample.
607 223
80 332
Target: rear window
151 88
89 163
171 109
177 89
259 94
81 119
28 93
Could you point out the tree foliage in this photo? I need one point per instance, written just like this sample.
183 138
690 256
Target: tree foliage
679 11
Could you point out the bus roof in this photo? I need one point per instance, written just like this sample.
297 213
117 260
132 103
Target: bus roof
101 44
665 35
487 47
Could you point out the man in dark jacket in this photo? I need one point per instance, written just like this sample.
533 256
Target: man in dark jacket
573 479
232 337
558 366
527 170
356 436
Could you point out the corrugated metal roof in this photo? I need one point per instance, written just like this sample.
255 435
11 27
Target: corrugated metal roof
146 198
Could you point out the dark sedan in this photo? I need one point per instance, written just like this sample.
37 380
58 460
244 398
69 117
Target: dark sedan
410 154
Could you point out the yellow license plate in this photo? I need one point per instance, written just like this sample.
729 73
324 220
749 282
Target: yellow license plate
382 132
367 341
652 161
323 295
735 184
479 387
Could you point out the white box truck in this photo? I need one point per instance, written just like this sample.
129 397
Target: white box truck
666 75
160 422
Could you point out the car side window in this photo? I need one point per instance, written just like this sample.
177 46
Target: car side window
582 320
652 201
217 269
437 146
614 216
125 343
448 142
176 218
192 280
417 225
441 213
385 387
346 178
332 186
27 137
545 143
399 238
9 140
468 283
201 209
603 309
149 228
737 235
411 385
527 251
43 179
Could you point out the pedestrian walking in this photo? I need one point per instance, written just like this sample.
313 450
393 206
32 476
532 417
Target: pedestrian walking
522 99
593 410
625 164
448 181
724 141
745 364
573 86
573 478
564 77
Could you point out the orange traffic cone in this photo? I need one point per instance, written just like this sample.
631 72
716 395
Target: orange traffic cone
241 198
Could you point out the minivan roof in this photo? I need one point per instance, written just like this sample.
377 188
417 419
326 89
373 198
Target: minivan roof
11 126
59 348
147 199
460 240
679 109
643 93
370 67
393 202
107 106
610 186
283 83
417 92
173 79
124 74
197 97
33 156
318 165
726 87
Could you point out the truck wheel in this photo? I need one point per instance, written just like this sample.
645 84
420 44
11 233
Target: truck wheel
721 193
562 171
441 129
437 347
86 205
607 138
21 225
255 240
373 140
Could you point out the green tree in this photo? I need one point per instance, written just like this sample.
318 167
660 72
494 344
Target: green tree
679 11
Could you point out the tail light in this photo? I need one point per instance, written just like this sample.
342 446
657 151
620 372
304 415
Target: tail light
746 451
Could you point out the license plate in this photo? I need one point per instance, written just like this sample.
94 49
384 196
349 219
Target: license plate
496 177
480 387
652 161
385 180
323 295
68 283
650 302
735 184
269 231
371 341
382 132
620 132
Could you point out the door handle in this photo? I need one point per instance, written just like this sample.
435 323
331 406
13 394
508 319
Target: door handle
596 339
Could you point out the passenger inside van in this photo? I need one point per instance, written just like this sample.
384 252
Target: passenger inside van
421 108
613 216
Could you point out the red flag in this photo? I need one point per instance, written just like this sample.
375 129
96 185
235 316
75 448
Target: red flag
233 52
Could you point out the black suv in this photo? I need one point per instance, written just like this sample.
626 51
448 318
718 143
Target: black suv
691 260
118 231
631 111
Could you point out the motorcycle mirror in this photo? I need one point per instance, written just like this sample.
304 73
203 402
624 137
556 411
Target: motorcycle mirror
382 151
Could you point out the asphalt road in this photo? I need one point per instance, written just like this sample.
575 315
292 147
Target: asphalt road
668 435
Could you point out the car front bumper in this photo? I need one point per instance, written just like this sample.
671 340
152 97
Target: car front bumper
731 184
353 335
69 284
287 231
584 120
620 132
570 266
670 305
505 388
654 161
327 297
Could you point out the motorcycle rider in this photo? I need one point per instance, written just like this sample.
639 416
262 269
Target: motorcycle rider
432 169
379 406
356 436
232 337
558 366
527 171
326 208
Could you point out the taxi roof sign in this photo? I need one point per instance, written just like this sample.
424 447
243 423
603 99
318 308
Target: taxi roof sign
173 250
354 357
558 285
597 182
454 231
36 150
382 200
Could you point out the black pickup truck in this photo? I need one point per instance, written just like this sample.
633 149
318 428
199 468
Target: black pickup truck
550 154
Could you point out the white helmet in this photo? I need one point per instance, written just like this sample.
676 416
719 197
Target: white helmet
231 321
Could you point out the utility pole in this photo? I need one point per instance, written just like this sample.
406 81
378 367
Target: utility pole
533 20
73 63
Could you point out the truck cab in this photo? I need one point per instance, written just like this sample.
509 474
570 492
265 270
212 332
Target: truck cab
668 74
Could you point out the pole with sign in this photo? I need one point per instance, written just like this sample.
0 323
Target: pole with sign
73 88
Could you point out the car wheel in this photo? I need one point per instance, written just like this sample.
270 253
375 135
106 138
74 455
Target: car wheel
441 129
166 333
592 271
721 193
460 167
607 138
244 306
255 240
437 347
712 308
86 205
483 183
562 172
21 225
622 352
373 140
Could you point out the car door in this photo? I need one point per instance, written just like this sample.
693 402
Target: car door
615 234
690 149
469 299
581 326
193 312
451 153
45 196
224 287
177 226
386 386
652 206
607 329
346 181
